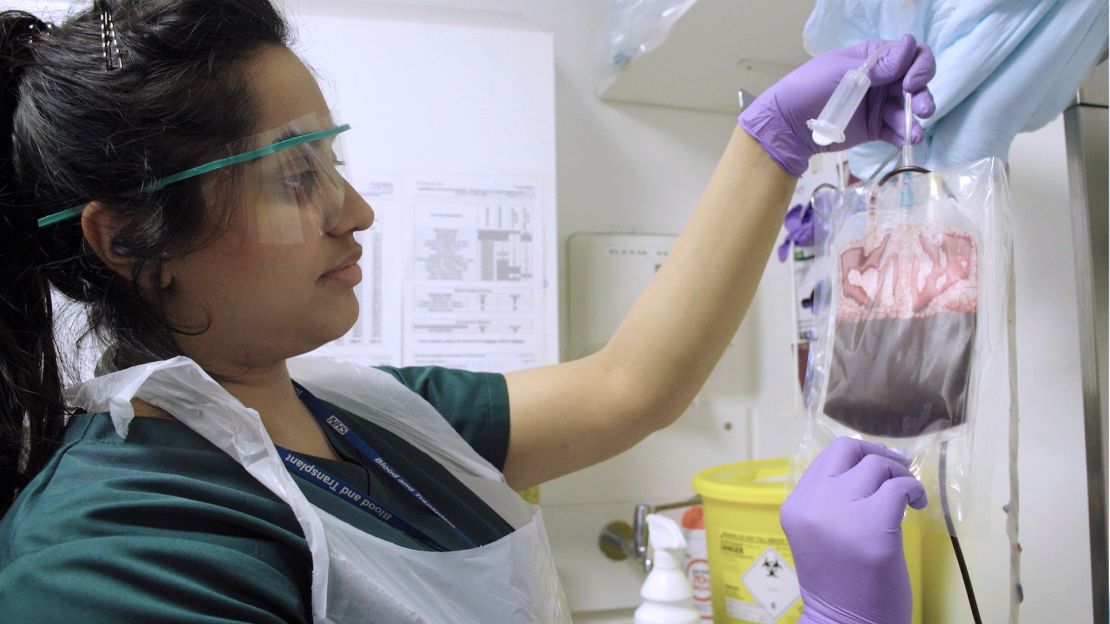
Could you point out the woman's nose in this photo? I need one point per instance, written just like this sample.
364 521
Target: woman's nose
357 214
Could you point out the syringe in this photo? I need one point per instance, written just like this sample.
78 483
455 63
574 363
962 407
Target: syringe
907 148
829 126
907 143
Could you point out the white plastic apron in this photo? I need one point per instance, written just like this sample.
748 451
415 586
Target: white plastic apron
357 577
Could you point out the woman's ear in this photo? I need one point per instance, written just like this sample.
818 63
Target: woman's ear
101 227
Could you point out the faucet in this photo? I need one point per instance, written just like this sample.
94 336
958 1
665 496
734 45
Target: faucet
620 541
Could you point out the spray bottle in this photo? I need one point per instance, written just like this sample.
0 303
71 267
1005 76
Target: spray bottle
666 591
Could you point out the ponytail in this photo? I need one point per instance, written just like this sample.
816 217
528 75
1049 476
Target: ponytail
32 410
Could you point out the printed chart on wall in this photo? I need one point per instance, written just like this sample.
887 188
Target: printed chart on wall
452 275
458 269
476 287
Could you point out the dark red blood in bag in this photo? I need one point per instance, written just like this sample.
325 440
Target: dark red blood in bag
901 377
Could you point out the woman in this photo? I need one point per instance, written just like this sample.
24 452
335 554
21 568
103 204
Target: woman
170 167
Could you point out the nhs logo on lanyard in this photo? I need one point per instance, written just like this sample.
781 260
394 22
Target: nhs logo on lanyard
338 425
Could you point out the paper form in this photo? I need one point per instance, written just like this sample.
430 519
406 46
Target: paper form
474 297
452 276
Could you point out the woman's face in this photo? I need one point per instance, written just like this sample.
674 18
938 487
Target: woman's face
264 302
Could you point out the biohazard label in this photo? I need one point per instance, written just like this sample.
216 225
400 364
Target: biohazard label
772 582
760 584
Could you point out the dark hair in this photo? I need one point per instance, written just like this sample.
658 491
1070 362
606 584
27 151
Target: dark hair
73 131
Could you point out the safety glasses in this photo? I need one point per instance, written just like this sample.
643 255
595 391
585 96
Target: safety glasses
289 180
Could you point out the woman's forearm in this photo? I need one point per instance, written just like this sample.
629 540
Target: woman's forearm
678 328
572 415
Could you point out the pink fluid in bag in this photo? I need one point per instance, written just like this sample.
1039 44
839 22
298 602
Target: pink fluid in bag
905 327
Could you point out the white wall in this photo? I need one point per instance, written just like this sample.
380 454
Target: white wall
1056 559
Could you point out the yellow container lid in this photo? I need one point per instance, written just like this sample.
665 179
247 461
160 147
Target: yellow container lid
760 482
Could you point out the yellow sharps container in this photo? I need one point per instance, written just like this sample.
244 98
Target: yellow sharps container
751 569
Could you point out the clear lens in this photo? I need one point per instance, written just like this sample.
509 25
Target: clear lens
296 192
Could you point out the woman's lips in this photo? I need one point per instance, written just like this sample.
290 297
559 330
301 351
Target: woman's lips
349 275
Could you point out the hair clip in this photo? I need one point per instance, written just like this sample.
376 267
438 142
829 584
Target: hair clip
41 29
112 58
37 30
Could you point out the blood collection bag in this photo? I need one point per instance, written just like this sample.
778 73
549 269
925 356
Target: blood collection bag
906 281
911 346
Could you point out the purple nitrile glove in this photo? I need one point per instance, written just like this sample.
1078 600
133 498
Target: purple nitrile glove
777 118
844 524
799 229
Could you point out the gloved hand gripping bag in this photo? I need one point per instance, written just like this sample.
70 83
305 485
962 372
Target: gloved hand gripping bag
912 343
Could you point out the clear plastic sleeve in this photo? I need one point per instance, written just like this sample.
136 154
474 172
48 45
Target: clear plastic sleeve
632 27
911 347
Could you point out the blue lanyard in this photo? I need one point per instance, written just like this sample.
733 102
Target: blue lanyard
336 486
299 464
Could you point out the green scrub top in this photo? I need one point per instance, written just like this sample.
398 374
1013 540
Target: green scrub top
165 527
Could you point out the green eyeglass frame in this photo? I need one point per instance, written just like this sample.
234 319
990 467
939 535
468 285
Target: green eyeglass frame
228 161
